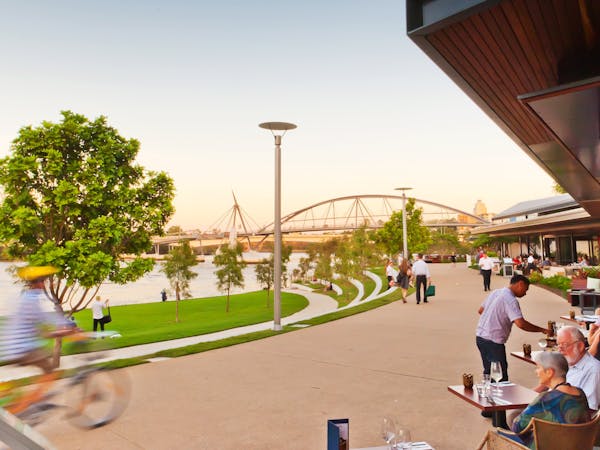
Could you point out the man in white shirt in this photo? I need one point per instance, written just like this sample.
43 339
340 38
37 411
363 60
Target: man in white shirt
420 271
486 265
390 273
584 369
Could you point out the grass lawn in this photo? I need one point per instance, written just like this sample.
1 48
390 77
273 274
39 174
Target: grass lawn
154 322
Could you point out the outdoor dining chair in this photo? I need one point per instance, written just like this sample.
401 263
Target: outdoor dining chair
549 435
495 441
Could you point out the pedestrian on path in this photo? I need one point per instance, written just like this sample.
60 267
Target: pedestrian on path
420 271
486 265
403 278
390 273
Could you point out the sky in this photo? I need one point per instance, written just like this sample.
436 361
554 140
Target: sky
191 80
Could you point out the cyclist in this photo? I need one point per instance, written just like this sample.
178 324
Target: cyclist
23 339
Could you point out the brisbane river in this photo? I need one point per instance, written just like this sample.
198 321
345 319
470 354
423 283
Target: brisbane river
147 289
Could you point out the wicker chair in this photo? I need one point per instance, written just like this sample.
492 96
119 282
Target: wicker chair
495 441
549 436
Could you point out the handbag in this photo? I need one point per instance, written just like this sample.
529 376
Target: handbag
430 292
107 319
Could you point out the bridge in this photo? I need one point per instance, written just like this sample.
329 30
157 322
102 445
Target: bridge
354 211
336 214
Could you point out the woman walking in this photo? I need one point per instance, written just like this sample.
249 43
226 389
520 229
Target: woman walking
404 274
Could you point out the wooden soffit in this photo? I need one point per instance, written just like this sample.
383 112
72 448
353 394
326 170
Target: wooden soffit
523 62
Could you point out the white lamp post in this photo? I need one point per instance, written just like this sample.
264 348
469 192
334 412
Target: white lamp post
404 236
278 129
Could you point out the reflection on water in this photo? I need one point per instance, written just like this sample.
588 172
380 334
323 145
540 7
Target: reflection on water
147 289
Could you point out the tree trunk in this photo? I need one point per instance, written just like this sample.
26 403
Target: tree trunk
177 303
227 306
268 292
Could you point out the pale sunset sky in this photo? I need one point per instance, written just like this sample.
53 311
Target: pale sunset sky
191 80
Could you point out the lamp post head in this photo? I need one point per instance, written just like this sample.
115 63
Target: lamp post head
277 126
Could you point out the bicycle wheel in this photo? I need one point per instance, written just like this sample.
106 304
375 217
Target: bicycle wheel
98 398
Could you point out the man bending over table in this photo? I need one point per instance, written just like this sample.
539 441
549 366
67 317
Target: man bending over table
498 313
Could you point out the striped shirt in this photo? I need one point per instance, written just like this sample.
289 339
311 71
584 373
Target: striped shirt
22 332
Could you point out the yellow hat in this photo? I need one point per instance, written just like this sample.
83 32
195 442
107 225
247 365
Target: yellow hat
30 273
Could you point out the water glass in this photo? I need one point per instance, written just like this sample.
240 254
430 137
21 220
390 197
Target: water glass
480 388
404 441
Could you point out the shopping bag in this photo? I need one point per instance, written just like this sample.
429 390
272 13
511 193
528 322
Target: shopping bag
430 291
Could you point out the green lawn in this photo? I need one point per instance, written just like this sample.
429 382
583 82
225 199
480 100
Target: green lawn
154 322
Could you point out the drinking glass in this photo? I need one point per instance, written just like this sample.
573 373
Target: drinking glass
404 440
388 430
543 343
486 383
496 374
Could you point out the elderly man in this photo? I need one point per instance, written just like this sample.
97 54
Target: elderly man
584 369
498 313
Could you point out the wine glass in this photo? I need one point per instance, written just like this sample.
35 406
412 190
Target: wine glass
543 343
388 430
404 440
496 374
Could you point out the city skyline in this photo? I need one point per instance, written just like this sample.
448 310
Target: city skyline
193 81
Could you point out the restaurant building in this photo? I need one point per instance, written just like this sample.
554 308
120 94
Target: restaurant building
533 66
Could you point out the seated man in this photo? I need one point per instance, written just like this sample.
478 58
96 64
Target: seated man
584 369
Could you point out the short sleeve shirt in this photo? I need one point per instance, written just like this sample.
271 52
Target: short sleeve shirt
500 309
585 375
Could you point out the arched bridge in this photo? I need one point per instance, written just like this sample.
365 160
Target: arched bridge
352 212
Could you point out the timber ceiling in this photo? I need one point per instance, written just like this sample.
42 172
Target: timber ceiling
503 53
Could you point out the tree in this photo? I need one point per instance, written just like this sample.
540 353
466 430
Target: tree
391 235
557 188
177 269
323 269
229 259
265 272
364 251
74 198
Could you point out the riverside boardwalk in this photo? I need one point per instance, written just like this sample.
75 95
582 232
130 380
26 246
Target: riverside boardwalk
278 393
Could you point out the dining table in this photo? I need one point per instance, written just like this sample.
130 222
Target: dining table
514 396
588 319
523 357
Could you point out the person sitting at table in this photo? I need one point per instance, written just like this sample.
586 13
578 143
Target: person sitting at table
584 369
560 402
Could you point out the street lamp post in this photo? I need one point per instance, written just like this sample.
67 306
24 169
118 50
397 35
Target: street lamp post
278 129
404 236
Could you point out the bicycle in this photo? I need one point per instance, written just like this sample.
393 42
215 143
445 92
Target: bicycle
94 396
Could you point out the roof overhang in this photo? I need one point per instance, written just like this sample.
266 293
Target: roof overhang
576 221
534 67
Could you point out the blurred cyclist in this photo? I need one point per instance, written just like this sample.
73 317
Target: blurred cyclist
23 338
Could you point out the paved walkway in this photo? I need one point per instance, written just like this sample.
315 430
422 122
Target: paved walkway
279 392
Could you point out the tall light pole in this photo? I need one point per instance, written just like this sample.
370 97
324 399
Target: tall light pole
278 129
404 236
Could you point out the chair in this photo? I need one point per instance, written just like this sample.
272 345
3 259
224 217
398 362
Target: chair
551 435
496 441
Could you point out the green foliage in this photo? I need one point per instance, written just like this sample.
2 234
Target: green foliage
446 243
391 234
265 270
557 281
74 198
230 263
323 268
592 271
177 269
558 189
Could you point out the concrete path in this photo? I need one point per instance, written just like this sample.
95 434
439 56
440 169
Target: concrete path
279 392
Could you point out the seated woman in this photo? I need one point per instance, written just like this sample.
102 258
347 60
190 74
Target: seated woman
561 403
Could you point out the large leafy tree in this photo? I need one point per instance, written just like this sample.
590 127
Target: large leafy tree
74 198
391 234
229 273
177 269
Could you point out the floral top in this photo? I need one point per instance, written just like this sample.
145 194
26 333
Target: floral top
553 406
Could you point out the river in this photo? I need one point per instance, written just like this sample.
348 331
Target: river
147 289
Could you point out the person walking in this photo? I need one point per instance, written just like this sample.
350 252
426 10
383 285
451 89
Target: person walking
390 273
403 279
98 313
420 271
486 265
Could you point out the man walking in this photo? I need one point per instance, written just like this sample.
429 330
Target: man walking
420 271
486 265
498 313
